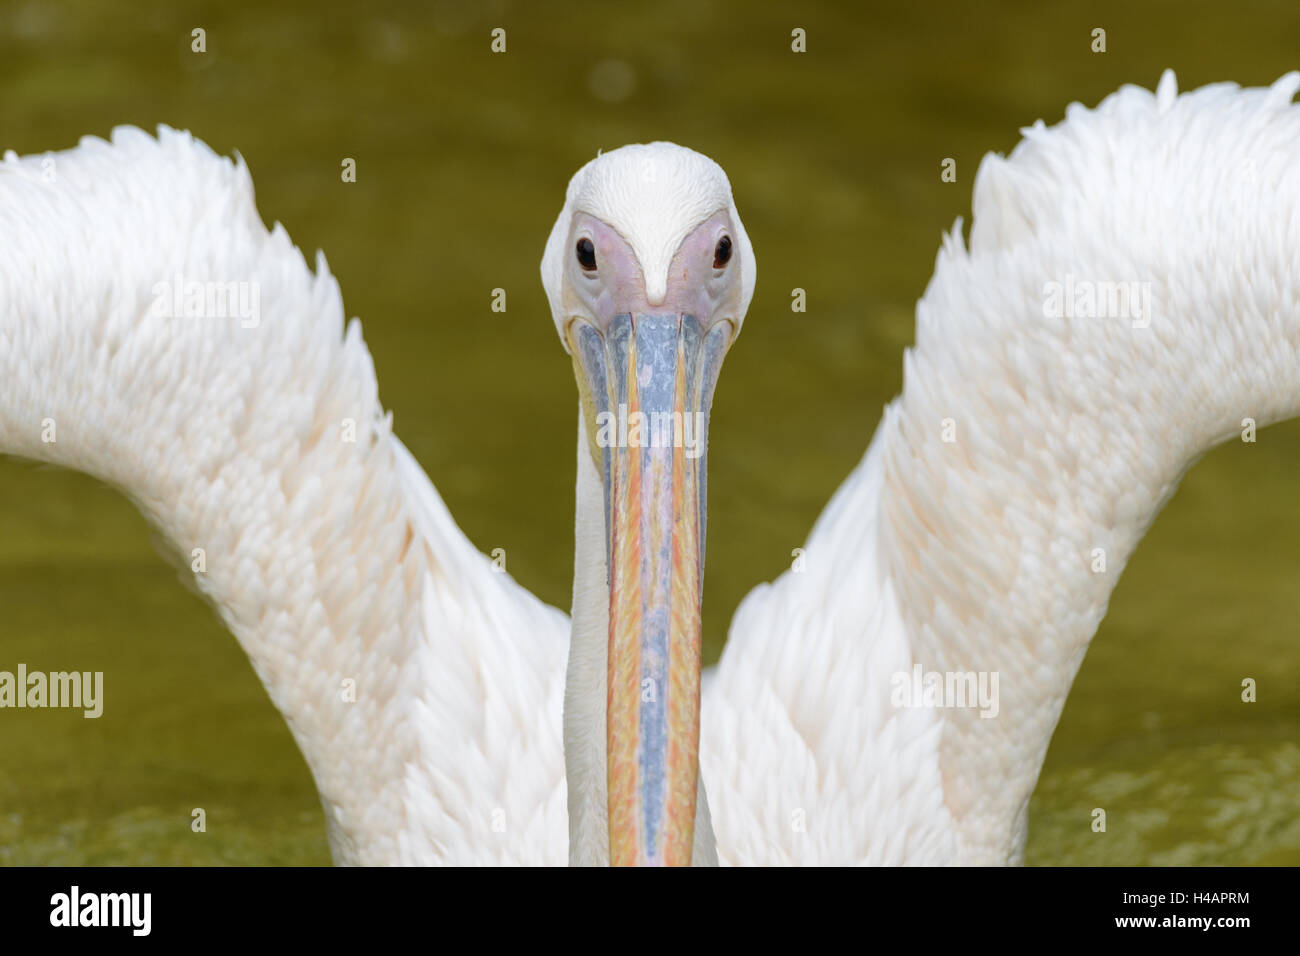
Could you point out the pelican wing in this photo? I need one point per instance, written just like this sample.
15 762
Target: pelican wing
804 758
490 785
155 334
1127 301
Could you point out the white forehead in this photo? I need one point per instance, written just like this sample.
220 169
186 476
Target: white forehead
653 195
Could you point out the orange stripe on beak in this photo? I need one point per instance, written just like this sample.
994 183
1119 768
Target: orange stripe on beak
650 381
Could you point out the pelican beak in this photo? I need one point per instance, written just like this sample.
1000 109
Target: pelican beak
648 387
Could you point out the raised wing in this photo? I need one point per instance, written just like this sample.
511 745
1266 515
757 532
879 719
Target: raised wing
154 334
1127 301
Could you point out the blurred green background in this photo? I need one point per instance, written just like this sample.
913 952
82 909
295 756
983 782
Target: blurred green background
462 160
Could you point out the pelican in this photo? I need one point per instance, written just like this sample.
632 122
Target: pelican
449 716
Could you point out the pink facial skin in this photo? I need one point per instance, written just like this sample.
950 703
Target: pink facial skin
618 285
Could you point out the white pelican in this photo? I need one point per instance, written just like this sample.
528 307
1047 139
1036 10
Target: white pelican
1034 432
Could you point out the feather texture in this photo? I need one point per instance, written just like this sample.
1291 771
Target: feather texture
423 688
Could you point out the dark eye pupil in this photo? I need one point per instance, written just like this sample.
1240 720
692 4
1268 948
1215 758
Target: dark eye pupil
586 254
722 253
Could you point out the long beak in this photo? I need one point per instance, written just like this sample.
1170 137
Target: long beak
650 382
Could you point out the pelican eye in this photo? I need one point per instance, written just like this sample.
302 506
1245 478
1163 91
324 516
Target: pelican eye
586 254
722 253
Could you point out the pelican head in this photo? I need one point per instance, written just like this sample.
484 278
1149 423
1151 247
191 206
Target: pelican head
649 274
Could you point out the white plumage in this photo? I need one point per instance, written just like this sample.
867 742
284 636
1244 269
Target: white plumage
329 560
333 560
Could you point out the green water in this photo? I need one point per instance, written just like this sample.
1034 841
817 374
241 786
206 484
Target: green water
462 160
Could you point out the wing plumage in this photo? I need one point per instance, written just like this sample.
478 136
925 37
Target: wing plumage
1128 298
155 334
805 761
489 786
